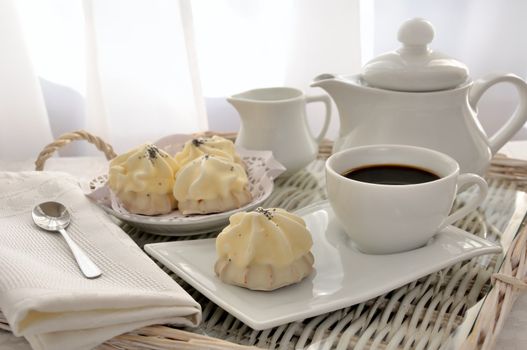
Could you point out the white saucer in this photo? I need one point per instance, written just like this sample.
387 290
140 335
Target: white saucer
261 169
184 226
343 276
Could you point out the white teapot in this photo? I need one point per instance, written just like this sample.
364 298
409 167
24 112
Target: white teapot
420 97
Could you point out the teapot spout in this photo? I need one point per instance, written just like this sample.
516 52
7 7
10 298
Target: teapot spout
347 93
321 77
329 82
340 88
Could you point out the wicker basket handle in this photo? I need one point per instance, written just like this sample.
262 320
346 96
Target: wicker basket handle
63 140
510 280
67 138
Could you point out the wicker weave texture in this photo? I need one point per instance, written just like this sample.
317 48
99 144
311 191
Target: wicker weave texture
421 315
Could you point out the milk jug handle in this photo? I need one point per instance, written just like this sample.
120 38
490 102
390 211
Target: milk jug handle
518 118
327 103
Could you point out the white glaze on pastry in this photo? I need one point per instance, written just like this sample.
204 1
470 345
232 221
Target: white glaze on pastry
216 146
211 184
143 179
264 250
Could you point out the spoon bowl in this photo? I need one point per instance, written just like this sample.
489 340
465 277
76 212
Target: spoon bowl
51 216
54 217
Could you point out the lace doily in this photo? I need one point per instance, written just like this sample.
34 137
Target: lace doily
261 169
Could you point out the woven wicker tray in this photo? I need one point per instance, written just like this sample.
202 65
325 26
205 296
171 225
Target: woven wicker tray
464 305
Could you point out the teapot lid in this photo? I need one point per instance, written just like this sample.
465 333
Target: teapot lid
414 66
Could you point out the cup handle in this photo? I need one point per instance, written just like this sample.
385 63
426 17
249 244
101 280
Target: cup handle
327 102
516 121
473 203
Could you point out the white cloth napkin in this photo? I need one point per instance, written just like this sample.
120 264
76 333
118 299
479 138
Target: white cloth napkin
44 296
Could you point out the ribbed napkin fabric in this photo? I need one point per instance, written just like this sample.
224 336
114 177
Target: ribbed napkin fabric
44 296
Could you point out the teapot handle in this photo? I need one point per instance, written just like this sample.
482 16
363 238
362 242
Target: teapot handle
327 103
518 118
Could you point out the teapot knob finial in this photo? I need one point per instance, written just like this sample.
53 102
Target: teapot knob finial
415 66
416 32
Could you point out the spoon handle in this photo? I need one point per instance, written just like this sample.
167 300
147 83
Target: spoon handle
88 267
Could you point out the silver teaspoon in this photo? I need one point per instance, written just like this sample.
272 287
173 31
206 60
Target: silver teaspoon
54 217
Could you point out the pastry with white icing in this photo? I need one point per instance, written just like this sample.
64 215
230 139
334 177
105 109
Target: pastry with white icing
264 250
143 180
211 184
216 146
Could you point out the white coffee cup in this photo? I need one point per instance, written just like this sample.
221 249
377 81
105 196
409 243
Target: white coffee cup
384 219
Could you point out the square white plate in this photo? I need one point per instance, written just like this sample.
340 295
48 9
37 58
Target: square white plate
343 276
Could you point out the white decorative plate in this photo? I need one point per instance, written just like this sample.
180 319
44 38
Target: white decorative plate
261 168
343 276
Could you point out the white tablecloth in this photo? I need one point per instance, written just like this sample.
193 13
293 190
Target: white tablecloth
512 337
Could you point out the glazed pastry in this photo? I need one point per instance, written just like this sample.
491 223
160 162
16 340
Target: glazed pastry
143 179
216 146
264 250
211 184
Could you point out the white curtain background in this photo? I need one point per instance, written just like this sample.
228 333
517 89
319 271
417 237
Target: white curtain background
261 43
23 119
128 60
133 71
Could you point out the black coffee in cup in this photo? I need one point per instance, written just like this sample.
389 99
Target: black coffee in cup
390 174
381 217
